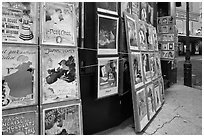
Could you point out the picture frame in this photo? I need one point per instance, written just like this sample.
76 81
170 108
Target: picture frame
171 29
164 46
161 89
107 35
150 14
155 39
143 11
150 100
171 20
108 69
157 95
171 45
19 22
146 67
142 35
158 64
107 7
19 76
170 37
63 119
58 24
149 34
152 64
59 74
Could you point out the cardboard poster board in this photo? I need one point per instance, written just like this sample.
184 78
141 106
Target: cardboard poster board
19 22
107 76
107 35
107 7
19 76
58 23
59 75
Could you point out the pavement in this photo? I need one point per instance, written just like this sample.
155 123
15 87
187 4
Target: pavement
181 114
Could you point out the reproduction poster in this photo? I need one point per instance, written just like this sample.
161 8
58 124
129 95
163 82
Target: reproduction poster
19 22
142 35
107 7
152 64
142 108
136 9
58 24
107 40
60 80
131 32
157 95
107 76
62 120
125 7
155 39
20 123
146 67
19 71
150 101
137 69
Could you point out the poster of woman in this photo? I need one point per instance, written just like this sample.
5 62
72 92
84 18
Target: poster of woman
107 40
150 101
58 24
107 7
19 75
19 22
107 76
60 80
62 120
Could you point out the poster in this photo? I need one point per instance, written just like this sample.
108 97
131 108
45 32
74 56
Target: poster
131 32
152 64
161 89
62 120
19 76
58 24
155 39
136 8
157 95
107 40
150 101
164 46
146 67
107 7
142 108
167 54
150 14
143 10
125 7
158 64
171 45
19 22
142 35
24 123
137 69
107 76
149 36
60 80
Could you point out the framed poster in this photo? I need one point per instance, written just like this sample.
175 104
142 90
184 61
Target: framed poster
150 14
136 8
167 54
161 89
19 76
146 67
150 100
22 123
158 64
125 7
19 22
164 46
142 35
149 36
136 65
59 75
58 23
107 76
152 65
143 10
131 31
157 95
107 7
155 39
171 45
107 35
62 120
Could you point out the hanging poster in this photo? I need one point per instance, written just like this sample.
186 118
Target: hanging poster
107 76
62 120
142 108
19 22
150 101
136 9
107 36
157 95
137 69
60 80
146 67
131 32
143 10
107 7
152 64
142 35
155 39
19 75
58 24
125 7
24 123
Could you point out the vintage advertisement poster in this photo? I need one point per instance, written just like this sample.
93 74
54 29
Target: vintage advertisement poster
107 7
19 71
19 22
62 120
20 124
131 32
146 67
137 69
59 76
152 64
157 95
58 24
150 101
142 35
107 76
142 108
107 34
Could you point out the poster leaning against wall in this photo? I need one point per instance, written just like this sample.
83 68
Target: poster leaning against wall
19 76
59 75
107 76
58 24
19 22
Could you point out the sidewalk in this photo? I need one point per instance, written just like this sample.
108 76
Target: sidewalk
181 114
